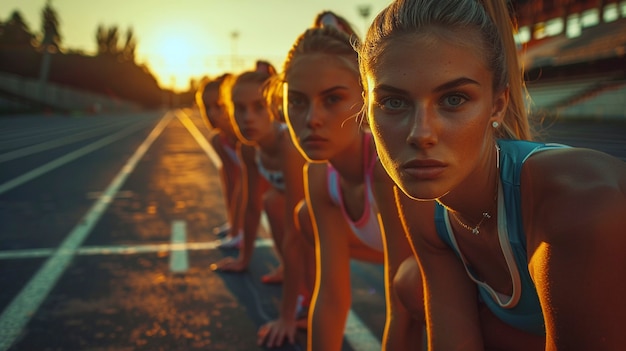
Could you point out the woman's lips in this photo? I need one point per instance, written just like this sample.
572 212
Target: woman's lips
423 169
314 140
248 131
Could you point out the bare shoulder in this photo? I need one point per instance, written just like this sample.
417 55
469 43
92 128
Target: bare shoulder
315 173
573 191
290 153
316 180
215 141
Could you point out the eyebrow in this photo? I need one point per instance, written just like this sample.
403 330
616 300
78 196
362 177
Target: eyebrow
387 88
456 83
323 92
446 86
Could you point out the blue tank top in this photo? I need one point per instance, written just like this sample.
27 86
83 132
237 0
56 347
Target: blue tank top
275 177
522 310
365 228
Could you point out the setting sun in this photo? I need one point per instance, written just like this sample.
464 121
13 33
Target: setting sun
180 41
175 56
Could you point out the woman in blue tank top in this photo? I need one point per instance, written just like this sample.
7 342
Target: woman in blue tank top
526 247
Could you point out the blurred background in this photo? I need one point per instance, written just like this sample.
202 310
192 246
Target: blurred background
90 57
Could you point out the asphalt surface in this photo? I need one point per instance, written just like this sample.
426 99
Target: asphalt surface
106 238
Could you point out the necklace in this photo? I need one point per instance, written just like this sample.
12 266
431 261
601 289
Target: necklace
476 229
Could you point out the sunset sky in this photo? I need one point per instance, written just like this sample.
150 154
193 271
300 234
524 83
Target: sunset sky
191 38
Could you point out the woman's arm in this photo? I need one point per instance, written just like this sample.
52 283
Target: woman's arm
253 187
295 251
230 176
450 297
574 210
297 255
404 327
332 295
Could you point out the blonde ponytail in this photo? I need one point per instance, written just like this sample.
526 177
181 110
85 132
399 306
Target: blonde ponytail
516 126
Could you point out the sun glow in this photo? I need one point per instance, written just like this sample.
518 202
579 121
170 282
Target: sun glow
175 56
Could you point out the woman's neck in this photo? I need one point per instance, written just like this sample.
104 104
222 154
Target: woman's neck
476 194
269 143
230 138
349 162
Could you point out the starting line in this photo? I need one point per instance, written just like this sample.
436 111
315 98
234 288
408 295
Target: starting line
121 249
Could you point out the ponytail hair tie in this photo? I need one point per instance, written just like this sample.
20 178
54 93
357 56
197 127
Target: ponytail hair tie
328 19
265 67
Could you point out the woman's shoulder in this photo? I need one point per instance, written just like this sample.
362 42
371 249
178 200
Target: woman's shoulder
316 171
573 190
215 140
214 136
576 168
316 178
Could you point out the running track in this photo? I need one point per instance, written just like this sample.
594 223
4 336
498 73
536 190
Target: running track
105 238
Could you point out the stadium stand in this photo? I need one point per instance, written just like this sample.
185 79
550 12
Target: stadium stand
581 77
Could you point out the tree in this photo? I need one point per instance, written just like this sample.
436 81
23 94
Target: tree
128 53
107 40
50 27
15 32
101 40
112 37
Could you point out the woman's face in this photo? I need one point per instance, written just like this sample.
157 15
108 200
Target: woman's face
215 111
323 97
250 111
430 108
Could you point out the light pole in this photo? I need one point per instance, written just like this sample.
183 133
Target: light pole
233 50
364 11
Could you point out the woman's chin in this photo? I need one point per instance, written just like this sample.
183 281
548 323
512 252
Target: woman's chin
419 193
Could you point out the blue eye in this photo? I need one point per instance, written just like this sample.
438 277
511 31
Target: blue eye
296 105
295 101
392 104
454 100
332 99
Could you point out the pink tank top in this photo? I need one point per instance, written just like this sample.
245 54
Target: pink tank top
366 228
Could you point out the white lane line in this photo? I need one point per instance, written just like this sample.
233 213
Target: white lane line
28 253
179 260
28 176
25 304
124 249
200 139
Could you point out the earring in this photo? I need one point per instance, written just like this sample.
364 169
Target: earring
495 124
